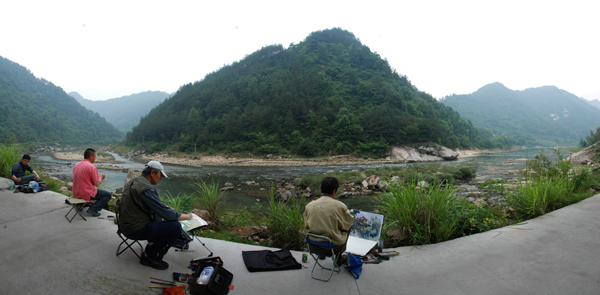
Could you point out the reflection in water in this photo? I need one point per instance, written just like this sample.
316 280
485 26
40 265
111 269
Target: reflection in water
180 178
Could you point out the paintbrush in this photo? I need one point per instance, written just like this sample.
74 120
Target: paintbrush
161 283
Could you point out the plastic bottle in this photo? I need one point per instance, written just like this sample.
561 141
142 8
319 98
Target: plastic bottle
12 184
205 276
35 186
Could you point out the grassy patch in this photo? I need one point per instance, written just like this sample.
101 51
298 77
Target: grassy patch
9 155
422 215
285 222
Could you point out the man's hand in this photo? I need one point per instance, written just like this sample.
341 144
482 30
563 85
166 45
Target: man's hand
18 180
185 217
102 176
37 177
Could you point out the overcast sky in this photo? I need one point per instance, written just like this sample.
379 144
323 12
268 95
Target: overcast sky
107 49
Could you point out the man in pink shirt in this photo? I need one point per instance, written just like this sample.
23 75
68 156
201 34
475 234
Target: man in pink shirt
85 181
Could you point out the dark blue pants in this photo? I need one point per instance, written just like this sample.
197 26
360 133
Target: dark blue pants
160 236
102 197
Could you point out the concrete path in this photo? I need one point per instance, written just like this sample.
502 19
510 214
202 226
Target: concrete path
42 253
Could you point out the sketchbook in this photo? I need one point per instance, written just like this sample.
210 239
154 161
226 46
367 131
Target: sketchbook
365 232
195 223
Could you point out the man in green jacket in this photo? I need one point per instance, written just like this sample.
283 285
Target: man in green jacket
143 216
329 217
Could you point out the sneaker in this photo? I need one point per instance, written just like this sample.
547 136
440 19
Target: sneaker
92 212
160 265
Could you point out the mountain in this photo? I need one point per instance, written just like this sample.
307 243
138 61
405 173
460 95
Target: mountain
327 95
545 115
595 103
123 112
36 111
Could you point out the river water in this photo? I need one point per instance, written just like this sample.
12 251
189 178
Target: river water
495 165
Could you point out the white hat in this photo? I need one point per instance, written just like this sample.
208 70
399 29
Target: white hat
157 165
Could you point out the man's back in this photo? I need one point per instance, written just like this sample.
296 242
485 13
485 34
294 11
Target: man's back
329 217
84 175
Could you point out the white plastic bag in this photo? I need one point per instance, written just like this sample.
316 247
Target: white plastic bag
35 186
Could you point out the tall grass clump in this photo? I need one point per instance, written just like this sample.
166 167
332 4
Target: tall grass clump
539 196
549 185
180 203
209 198
285 222
9 155
423 215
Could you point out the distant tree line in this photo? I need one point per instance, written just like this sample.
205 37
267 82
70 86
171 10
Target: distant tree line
326 95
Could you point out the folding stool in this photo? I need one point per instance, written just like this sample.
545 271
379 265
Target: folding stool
77 205
124 239
333 256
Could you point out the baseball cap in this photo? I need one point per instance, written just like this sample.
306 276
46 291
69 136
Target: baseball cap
157 165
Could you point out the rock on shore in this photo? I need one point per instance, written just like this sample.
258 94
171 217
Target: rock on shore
428 153
585 156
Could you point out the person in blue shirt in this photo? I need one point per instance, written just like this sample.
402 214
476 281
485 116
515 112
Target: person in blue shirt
18 172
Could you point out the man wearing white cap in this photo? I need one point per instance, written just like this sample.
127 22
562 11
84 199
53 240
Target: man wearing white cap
143 216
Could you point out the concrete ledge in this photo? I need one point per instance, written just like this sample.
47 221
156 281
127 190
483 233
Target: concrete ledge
558 253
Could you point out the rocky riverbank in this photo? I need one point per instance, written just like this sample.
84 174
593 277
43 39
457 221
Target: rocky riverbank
78 156
398 154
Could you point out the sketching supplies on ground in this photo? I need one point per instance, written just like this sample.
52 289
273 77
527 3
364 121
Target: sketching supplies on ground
181 277
162 283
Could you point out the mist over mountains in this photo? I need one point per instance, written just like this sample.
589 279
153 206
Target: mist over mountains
327 95
123 112
545 115
595 103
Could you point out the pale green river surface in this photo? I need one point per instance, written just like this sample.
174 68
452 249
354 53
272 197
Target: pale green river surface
495 165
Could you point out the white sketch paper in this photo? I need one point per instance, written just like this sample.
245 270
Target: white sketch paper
365 232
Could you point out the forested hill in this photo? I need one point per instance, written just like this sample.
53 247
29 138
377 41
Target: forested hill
328 94
123 112
36 111
545 115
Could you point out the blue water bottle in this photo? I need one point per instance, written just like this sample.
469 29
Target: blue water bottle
12 184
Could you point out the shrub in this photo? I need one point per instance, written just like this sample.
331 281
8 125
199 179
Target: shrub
464 172
267 149
471 219
9 155
307 148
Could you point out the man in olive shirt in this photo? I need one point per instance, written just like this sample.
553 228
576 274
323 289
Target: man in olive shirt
329 217
143 216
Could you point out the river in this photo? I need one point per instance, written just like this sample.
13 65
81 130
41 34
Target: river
494 165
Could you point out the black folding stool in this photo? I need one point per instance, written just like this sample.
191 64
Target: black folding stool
124 239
